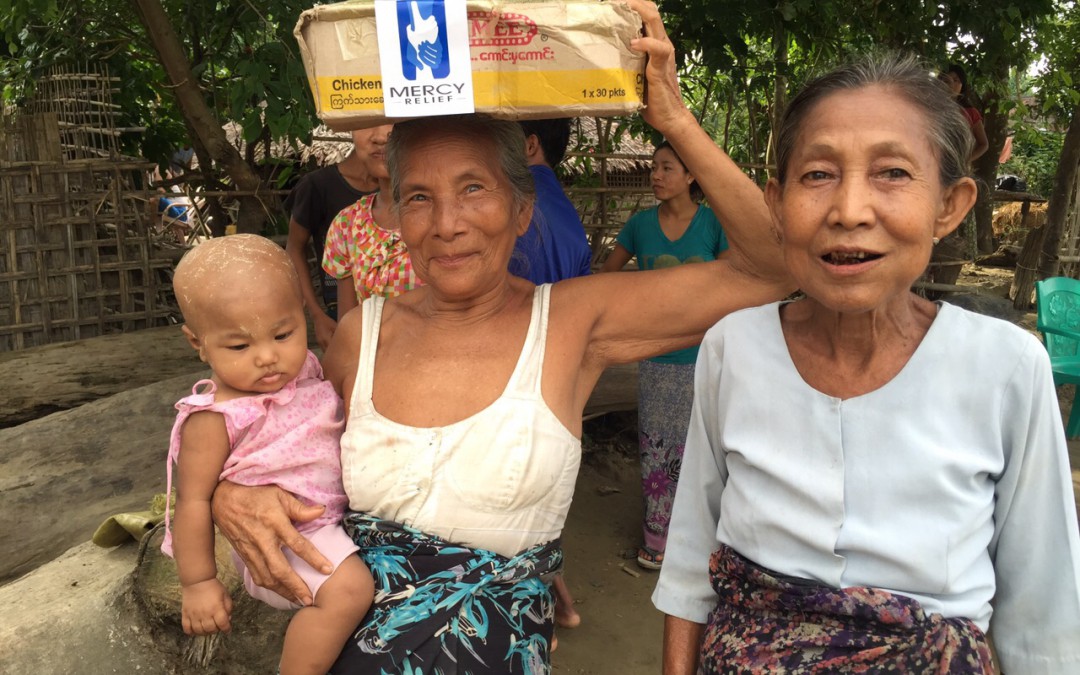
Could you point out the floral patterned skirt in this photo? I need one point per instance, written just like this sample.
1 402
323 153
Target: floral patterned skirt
665 398
766 623
441 608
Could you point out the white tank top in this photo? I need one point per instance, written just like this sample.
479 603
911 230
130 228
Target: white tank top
501 479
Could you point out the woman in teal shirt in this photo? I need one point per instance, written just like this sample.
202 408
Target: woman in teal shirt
676 232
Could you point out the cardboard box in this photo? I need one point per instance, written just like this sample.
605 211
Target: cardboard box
529 60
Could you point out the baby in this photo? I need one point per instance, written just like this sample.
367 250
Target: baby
266 416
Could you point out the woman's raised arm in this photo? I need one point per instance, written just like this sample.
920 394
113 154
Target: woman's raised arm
643 314
737 201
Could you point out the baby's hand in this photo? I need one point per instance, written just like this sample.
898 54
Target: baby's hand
206 608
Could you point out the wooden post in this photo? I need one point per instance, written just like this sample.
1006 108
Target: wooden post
1067 261
601 135
1027 267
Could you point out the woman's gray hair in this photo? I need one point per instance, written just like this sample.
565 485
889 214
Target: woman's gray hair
506 138
947 130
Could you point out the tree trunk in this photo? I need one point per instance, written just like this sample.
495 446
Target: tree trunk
780 82
1058 208
1026 268
727 120
996 125
197 113
752 122
218 216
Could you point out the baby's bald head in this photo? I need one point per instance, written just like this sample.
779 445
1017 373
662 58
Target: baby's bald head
230 269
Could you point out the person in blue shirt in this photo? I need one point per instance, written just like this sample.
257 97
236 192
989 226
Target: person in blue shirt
678 231
554 247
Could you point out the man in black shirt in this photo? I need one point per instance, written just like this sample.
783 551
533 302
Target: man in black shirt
312 205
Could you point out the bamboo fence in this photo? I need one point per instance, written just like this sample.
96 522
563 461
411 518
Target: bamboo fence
77 253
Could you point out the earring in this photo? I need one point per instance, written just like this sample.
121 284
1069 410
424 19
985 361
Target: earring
935 240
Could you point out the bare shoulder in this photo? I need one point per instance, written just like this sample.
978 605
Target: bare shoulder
578 303
203 425
339 361
204 439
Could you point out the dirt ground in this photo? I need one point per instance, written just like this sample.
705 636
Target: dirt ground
620 631
114 461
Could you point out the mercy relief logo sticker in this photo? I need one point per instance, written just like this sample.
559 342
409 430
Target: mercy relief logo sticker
424 53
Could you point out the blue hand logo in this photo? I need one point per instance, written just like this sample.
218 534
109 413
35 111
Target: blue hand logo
423 43
423 35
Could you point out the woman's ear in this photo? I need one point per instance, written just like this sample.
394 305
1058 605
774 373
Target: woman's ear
525 216
955 204
774 198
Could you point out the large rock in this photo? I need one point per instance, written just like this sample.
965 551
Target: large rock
71 616
63 474
42 380
81 614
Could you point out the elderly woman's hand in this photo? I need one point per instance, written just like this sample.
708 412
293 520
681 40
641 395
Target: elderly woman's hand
259 521
664 103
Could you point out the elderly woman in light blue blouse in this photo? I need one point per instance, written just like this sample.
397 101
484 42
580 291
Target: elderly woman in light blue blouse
871 480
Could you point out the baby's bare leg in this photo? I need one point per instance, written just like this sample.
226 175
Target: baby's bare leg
317 633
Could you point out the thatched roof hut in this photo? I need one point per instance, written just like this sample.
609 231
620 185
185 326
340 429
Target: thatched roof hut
629 156
327 146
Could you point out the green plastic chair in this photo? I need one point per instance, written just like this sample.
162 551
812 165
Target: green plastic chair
1058 302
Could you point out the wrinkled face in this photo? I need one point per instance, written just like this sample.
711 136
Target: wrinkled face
669 177
459 218
253 336
370 144
862 200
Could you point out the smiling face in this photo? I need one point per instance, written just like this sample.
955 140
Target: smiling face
862 200
459 214
668 175
244 313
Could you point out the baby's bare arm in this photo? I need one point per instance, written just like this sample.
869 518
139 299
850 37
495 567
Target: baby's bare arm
204 447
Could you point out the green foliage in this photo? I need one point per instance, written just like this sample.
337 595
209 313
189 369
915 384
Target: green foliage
276 225
735 53
243 53
1057 83
740 60
18 14
1035 157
